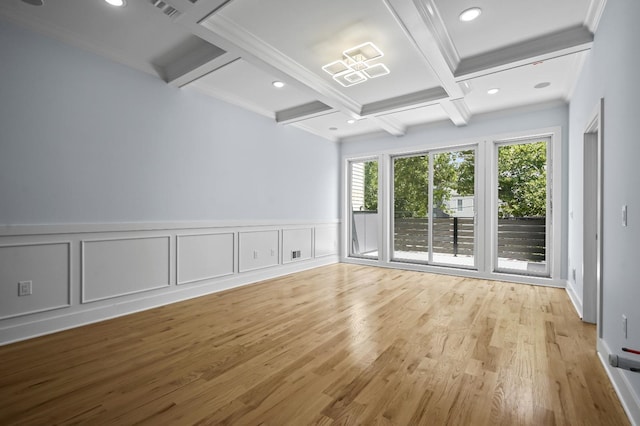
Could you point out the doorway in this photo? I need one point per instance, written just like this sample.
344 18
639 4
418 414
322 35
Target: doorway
592 220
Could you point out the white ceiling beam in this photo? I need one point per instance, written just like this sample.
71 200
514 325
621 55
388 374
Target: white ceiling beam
196 65
425 29
303 112
553 45
389 125
457 110
254 50
430 38
266 57
399 103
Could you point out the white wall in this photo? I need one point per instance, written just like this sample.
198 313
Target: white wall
87 140
120 193
612 72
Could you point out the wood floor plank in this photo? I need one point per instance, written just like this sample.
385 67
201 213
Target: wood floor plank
342 344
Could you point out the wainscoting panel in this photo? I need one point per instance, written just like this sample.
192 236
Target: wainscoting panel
326 241
45 266
204 256
83 273
258 249
117 267
296 244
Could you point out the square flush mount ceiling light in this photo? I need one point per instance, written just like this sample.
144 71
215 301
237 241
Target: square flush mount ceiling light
355 66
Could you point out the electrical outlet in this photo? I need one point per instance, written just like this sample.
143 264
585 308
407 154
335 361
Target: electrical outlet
573 274
25 288
273 252
624 326
255 254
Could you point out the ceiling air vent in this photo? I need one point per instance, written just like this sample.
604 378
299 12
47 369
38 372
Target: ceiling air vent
166 8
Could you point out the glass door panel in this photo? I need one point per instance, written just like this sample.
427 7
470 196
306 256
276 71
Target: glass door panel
411 208
453 234
523 208
364 208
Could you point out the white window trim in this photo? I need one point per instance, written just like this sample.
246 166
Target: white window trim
485 149
548 209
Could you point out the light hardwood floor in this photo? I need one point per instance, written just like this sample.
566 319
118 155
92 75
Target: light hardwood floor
341 344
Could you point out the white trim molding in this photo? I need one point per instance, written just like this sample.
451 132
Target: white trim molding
594 14
629 399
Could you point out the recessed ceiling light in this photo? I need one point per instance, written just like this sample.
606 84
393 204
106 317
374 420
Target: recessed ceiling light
278 84
351 121
542 85
470 14
333 129
493 91
117 3
34 2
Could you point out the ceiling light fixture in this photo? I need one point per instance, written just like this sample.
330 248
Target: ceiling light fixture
278 84
493 91
355 66
34 2
542 85
470 14
117 3
351 121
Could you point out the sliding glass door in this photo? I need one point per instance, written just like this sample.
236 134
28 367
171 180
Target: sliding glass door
434 208
523 207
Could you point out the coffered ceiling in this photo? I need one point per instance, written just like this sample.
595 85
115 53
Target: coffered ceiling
440 68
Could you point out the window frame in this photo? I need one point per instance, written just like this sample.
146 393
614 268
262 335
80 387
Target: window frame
549 249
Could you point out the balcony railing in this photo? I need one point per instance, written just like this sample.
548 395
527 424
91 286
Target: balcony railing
520 239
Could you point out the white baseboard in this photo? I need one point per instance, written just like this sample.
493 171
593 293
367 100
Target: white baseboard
629 399
574 297
64 319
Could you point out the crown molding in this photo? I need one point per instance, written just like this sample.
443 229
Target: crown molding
594 14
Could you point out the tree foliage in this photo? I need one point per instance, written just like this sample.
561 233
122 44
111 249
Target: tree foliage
453 173
522 177
371 185
522 180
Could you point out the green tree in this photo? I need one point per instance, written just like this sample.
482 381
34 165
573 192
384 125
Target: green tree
522 180
466 165
371 185
411 186
453 172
